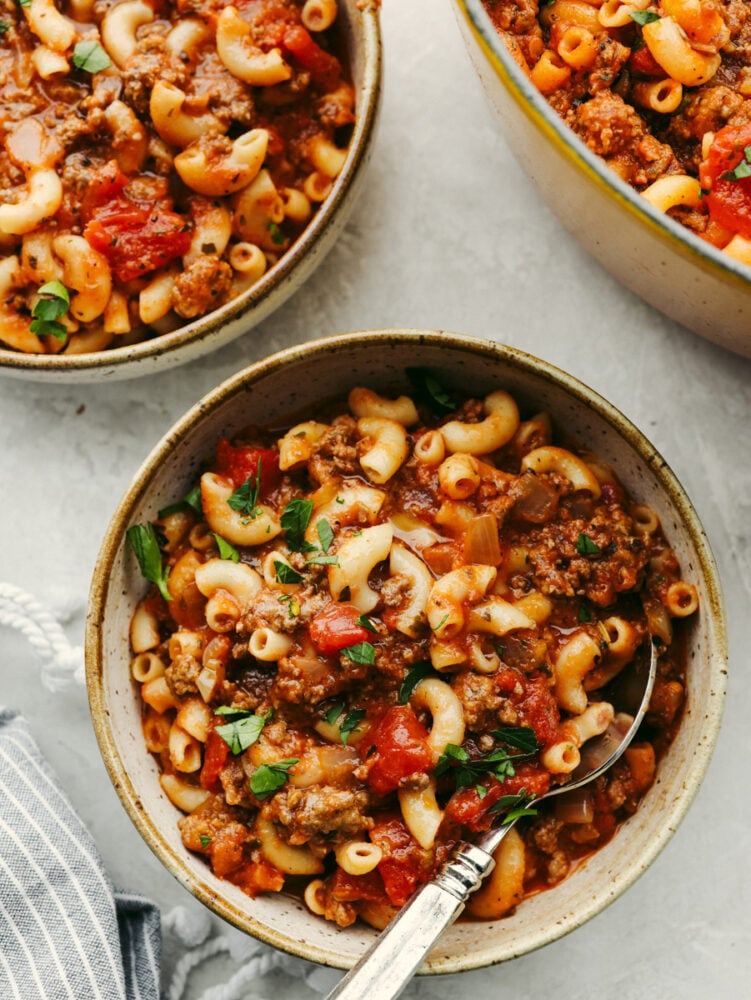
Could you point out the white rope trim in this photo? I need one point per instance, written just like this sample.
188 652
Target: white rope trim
22 611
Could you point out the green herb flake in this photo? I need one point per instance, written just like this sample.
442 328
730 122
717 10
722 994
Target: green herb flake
521 737
585 546
242 732
350 724
294 520
293 608
325 534
277 236
643 17
482 790
142 539
4 27
412 679
322 561
205 841
584 614
467 771
226 551
268 778
245 498
90 57
333 714
361 652
441 623
285 573
430 391
742 169
191 499
364 622
53 304
516 806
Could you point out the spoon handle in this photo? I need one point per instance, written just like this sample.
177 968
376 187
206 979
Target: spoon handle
389 964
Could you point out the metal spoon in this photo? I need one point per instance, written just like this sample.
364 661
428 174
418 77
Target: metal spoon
387 967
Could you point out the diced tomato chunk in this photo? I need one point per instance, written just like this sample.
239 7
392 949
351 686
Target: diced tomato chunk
336 628
258 876
214 758
105 186
351 888
643 63
401 749
135 237
404 864
728 196
466 808
239 462
324 68
539 709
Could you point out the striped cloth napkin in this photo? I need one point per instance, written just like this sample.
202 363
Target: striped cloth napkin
65 933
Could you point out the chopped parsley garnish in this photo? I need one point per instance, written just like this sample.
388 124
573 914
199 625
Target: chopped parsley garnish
293 608
441 623
584 614
285 573
243 731
467 771
226 551
54 303
142 539
412 679
90 57
294 520
277 236
430 391
4 26
521 737
516 805
361 652
191 499
350 724
205 841
585 546
333 714
643 17
325 534
364 622
322 561
268 778
742 169
245 498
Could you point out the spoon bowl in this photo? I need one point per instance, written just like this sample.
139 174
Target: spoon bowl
387 967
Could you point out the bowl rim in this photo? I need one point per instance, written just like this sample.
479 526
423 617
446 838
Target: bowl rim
492 352
275 281
534 106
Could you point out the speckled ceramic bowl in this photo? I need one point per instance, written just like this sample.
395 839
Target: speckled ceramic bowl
660 260
360 25
290 383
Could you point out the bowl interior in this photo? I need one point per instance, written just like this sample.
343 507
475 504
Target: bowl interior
283 386
360 29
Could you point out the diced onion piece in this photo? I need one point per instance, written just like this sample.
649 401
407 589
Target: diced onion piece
575 807
481 544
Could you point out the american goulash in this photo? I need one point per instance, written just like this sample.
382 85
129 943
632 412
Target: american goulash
156 158
373 633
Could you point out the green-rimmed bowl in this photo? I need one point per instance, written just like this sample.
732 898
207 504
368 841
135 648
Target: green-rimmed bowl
663 262
287 385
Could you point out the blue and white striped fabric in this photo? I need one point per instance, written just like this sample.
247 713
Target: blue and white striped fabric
65 933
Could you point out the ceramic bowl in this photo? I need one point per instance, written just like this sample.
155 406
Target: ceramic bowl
660 260
360 25
288 384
